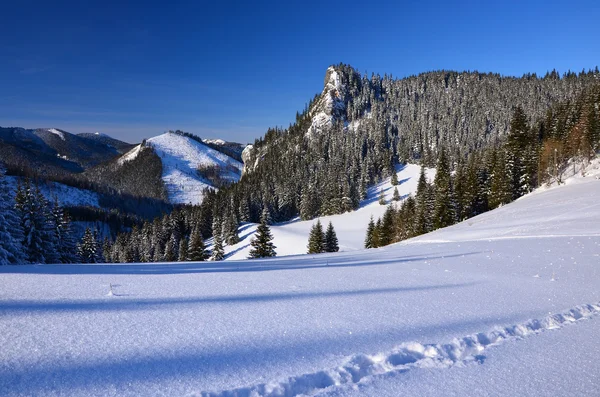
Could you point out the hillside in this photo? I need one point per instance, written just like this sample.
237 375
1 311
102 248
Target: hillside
291 238
189 167
429 316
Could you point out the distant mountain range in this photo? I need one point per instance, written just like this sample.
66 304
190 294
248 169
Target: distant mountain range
174 167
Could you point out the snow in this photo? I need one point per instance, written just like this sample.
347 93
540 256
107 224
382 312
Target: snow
446 314
67 196
214 141
130 155
181 156
57 132
291 238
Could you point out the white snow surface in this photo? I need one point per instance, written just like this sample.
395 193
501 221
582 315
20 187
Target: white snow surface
57 132
291 238
506 303
181 157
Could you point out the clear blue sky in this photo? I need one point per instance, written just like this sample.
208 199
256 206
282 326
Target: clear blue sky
232 69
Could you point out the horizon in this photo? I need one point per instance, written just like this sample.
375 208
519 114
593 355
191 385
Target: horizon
230 73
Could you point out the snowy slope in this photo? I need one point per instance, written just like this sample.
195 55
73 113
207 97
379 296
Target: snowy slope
67 196
512 313
181 156
291 238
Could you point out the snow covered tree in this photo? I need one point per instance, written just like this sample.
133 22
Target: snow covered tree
171 250
331 240
182 256
196 250
30 209
230 230
396 196
316 239
88 248
262 244
382 200
11 233
63 234
394 179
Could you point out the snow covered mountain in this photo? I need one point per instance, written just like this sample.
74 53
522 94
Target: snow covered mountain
120 146
505 303
188 166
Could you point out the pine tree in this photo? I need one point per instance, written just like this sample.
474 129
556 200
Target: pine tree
331 240
369 236
423 207
11 234
31 213
316 239
262 244
88 247
231 231
500 186
196 248
394 179
386 228
396 196
63 234
171 249
182 256
444 207
382 200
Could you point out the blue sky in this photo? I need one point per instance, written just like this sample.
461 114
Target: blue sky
232 69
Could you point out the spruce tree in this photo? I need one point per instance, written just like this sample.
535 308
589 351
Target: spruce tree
171 249
369 236
88 248
31 213
423 208
316 239
394 179
182 256
11 234
382 197
262 244
386 228
331 240
196 248
444 207
396 196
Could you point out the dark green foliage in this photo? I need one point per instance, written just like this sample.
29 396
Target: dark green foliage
316 239
396 195
262 244
444 206
196 250
331 240
382 200
370 232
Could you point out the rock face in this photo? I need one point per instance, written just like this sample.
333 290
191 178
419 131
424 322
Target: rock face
331 105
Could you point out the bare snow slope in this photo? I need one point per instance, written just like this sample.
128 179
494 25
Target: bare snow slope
181 156
291 238
515 312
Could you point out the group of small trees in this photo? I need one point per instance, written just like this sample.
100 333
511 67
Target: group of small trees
319 241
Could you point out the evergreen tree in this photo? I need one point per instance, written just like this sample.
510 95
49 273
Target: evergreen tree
396 196
31 213
11 234
369 236
423 207
171 249
183 250
444 207
386 228
316 239
63 234
196 248
88 248
394 179
331 240
262 244
382 197
500 187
